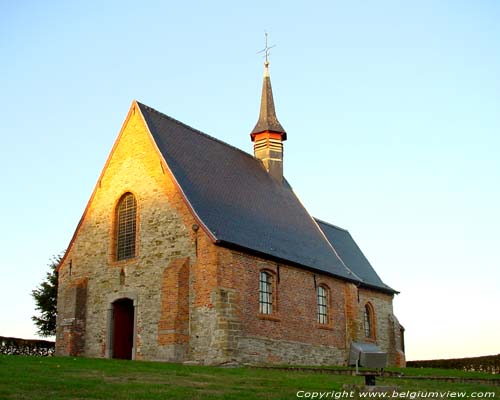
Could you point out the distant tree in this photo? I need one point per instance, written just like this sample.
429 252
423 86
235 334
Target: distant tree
45 297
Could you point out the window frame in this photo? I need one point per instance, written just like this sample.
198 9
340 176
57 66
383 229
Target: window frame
323 305
130 224
266 293
369 323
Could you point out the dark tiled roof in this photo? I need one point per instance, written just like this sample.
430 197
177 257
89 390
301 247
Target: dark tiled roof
244 207
238 201
352 255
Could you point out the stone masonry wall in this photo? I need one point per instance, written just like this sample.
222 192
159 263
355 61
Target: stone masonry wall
71 321
164 235
387 327
213 322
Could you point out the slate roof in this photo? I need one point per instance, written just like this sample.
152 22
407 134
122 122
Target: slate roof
241 204
351 254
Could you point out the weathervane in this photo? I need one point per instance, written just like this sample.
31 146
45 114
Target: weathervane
266 51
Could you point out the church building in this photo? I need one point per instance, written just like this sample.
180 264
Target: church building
191 250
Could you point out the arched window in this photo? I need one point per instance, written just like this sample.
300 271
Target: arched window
125 227
322 301
369 324
265 293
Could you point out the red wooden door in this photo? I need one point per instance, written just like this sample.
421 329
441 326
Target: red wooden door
123 328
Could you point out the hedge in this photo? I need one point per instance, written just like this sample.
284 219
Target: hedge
27 347
489 364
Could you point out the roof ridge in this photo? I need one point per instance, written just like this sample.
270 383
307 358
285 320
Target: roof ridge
196 130
330 224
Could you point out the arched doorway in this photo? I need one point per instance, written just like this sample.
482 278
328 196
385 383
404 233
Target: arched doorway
123 328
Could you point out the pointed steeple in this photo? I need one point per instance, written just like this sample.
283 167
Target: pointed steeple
268 122
268 134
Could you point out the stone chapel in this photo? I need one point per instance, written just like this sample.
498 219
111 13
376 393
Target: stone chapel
191 250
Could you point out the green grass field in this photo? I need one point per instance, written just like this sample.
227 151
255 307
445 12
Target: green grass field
80 378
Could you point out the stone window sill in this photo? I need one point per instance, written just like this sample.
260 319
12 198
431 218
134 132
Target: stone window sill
269 317
127 261
328 327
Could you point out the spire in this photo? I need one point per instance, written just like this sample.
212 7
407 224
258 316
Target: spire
268 122
268 134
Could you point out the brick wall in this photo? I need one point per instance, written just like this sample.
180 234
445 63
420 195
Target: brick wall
173 327
291 334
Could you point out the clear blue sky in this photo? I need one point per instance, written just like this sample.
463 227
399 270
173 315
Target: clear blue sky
392 111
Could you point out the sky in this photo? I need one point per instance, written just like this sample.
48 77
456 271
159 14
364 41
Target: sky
392 112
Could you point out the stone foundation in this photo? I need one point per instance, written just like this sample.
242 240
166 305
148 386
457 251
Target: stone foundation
256 350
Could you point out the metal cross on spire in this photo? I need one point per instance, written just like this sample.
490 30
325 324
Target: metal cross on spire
266 51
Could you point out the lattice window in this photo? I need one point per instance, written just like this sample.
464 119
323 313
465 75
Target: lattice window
265 293
368 325
322 299
126 216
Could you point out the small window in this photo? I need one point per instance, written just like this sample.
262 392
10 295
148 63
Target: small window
369 321
265 293
402 337
125 229
322 299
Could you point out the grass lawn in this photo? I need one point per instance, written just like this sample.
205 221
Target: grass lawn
80 378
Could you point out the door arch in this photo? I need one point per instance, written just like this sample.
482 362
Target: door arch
122 328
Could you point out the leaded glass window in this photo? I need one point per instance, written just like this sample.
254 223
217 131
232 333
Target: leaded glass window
368 325
322 297
126 216
265 293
